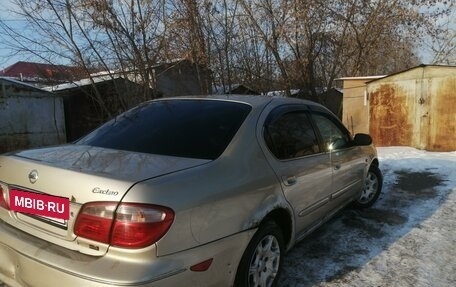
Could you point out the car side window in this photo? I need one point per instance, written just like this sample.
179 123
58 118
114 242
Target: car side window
334 137
291 135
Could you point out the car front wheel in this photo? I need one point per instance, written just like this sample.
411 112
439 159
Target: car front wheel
260 265
372 188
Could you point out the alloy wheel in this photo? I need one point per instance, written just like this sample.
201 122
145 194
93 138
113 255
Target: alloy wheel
265 262
370 188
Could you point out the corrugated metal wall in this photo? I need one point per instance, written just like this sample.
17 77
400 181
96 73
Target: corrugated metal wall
29 117
415 108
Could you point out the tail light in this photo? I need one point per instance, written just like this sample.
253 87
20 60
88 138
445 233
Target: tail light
95 220
3 202
131 225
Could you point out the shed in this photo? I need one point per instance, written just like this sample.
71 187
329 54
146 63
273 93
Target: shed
330 98
234 89
181 77
93 101
85 111
40 74
29 117
415 107
355 109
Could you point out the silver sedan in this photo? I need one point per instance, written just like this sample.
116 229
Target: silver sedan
208 191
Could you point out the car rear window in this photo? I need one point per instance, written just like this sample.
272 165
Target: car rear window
184 128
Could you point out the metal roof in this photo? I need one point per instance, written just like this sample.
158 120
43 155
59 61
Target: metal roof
19 83
361 78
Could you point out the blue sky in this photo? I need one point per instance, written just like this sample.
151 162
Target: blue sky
6 15
5 54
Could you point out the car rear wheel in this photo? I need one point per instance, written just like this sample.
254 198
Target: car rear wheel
372 188
262 260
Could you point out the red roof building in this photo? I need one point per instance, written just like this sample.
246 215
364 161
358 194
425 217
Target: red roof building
43 74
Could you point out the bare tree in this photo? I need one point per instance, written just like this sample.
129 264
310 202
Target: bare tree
107 35
220 23
442 44
268 19
267 44
315 41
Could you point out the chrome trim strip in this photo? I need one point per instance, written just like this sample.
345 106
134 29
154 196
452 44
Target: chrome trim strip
313 207
345 189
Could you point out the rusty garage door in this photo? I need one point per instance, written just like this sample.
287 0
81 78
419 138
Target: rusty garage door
414 111
442 115
391 114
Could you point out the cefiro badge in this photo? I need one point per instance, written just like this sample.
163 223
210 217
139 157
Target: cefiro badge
104 191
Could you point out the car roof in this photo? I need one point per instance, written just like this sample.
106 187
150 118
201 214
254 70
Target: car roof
253 100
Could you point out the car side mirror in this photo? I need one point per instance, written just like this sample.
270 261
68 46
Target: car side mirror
362 139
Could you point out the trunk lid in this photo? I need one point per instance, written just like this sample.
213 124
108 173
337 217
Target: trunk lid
81 174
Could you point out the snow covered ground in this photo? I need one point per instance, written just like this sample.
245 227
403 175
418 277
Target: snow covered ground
408 238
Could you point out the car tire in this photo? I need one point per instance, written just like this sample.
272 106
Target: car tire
372 188
262 260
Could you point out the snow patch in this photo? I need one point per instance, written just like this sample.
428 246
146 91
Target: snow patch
406 239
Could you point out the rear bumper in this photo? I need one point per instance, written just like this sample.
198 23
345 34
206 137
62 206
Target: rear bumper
27 261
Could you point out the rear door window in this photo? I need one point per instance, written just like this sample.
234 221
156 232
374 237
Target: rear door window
184 128
291 135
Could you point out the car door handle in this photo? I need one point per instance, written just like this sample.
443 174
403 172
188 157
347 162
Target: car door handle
288 181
